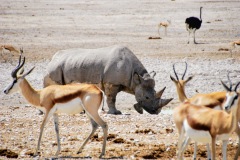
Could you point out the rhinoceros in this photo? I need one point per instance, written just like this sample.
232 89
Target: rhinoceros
113 69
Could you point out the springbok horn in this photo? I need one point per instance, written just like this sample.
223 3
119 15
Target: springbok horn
23 76
159 94
225 86
185 70
19 66
22 69
175 71
230 82
236 87
20 58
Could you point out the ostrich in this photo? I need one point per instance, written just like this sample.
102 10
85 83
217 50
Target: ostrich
165 25
192 24
234 44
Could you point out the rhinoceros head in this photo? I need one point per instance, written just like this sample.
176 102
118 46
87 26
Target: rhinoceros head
146 96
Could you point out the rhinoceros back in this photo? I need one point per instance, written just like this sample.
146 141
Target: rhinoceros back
114 65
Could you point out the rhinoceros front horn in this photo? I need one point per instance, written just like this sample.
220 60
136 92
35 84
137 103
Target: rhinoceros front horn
164 102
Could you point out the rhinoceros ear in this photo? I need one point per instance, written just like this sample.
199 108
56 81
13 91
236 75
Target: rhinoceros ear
137 78
152 74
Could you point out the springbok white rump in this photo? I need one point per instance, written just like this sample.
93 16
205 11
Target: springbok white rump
55 99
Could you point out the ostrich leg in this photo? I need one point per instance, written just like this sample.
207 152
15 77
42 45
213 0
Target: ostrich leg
194 36
189 32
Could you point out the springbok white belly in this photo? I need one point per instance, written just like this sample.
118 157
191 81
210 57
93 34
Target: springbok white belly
218 108
200 135
71 107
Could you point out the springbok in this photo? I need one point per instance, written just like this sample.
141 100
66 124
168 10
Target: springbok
8 47
165 25
235 43
180 86
206 125
212 100
55 99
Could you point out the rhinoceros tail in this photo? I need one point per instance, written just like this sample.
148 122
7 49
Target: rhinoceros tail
62 78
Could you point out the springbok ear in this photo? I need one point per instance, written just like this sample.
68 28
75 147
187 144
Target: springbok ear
173 79
189 79
23 76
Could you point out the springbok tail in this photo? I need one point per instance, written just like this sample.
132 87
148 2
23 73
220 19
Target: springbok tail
104 97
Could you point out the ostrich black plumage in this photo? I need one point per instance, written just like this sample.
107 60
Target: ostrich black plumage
192 24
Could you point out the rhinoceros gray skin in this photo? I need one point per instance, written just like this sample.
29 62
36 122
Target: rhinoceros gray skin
113 69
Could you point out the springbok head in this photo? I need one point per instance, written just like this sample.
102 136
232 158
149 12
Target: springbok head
180 82
232 96
17 75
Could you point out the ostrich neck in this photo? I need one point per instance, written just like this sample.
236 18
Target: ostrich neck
201 14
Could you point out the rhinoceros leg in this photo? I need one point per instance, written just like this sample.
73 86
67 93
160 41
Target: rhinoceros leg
111 92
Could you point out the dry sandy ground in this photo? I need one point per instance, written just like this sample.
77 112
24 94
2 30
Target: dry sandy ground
44 27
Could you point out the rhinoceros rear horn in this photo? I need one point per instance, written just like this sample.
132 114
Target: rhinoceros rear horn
164 102
159 94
